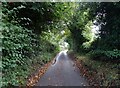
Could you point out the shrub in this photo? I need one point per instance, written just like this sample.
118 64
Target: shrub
109 55
17 49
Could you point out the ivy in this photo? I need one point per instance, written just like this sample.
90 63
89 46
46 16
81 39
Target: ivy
22 46
16 44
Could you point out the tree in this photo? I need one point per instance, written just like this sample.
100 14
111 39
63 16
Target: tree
81 17
108 18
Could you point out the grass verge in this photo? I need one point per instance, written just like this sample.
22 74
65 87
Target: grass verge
98 73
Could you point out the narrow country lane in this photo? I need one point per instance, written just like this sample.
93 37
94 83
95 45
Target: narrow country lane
62 72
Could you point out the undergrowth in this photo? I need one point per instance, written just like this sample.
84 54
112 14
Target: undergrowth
22 52
105 73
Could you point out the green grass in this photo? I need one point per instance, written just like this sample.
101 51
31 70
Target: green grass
107 72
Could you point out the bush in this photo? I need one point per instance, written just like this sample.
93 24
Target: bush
109 55
20 46
17 48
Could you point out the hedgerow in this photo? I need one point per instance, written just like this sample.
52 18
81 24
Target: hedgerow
108 54
21 49
17 48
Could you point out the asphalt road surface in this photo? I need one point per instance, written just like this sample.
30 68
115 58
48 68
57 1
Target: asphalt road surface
62 72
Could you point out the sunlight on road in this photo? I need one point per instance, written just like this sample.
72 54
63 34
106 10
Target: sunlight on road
56 59
65 51
62 52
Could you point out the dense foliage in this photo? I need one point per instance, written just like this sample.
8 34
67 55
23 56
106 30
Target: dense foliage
84 37
23 44
108 42
17 48
33 31
105 55
34 16
80 26
109 20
